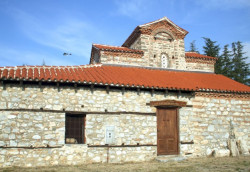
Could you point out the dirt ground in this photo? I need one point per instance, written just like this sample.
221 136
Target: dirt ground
196 164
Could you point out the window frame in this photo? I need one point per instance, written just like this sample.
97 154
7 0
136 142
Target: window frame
75 129
164 57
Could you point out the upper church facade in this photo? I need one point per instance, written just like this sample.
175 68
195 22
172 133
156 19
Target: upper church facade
158 44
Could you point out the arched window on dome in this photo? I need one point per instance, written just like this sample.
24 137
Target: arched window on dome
164 61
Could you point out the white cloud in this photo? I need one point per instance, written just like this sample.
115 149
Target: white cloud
64 34
136 9
69 35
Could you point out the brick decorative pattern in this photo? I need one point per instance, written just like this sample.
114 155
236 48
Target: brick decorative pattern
200 60
223 95
162 25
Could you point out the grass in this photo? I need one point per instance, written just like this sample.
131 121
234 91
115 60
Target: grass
190 165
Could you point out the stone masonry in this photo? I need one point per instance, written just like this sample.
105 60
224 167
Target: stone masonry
114 115
153 48
32 124
154 40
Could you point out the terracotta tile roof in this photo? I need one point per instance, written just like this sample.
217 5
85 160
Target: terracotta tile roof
116 48
125 76
197 55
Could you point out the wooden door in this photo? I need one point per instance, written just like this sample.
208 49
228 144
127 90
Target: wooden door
167 131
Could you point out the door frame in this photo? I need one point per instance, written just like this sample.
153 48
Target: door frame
178 128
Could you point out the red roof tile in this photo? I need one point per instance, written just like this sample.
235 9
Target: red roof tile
197 55
116 48
125 76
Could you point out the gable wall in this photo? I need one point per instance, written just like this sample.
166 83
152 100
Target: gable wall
195 64
136 44
153 49
122 58
206 124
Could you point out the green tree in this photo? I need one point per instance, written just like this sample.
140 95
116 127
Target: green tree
211 49
193 47
226 62
43 63
240 70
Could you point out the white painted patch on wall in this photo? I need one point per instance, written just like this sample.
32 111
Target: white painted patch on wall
110 135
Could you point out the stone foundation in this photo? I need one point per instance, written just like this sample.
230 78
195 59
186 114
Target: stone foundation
74 155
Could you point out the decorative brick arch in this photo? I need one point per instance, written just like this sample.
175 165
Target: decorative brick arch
163 26
162 29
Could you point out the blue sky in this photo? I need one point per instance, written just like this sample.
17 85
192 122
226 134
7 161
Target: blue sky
35 30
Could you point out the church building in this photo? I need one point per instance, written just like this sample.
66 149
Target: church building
140 101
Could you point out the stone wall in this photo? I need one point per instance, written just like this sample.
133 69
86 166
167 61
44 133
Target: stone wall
153 49
132 129
31 129
206 67
208 125
32 124
198 64
123 58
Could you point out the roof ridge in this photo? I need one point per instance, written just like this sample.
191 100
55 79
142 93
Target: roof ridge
116 48
167 19
198 55
109 45
156 68
191 52
46 67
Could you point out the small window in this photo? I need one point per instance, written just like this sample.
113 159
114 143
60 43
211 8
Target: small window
75 129
164 61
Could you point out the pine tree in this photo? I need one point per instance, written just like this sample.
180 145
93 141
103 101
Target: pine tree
193 47
226 62
43 63
240 70
211 49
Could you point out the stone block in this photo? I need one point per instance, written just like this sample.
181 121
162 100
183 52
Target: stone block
12 136
209 152
36 137
49 136
12 116
2 143
233 147
23 144
13 143
13 152
210 128
221 153
6 130
243 147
